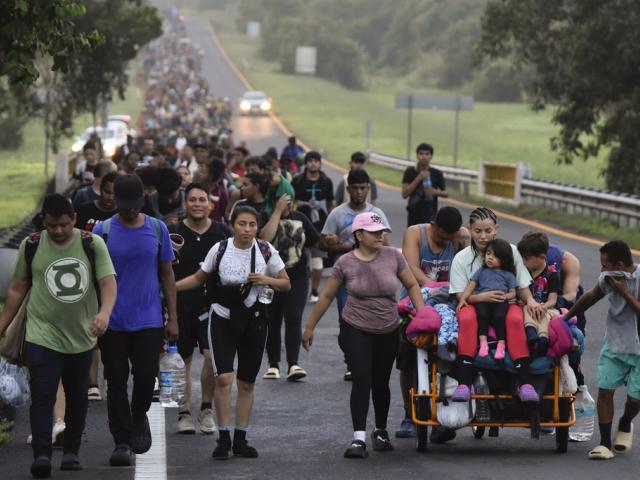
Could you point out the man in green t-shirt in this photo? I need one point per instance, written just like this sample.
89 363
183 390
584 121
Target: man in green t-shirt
64 317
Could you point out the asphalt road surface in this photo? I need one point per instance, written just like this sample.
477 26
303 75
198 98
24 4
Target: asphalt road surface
301 429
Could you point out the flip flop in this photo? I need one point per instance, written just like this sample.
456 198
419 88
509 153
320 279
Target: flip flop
601 453
623 441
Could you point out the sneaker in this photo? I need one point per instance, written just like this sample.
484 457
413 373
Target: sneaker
140 435
357 449
407 429
70 462
221 452
347 376
207 421
156 391
121 456
273 373
380 441
461 394
41 467
243 449
57 433
185 424
296 372
314 297
527 393
94 394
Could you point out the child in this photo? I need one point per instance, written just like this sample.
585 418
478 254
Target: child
619 361
496 276
545 289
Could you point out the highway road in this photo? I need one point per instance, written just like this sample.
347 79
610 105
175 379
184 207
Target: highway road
302 429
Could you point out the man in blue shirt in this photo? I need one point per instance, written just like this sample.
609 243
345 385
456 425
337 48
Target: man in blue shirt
142 255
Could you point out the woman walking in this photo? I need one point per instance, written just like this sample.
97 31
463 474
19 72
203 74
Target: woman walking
370 333
242 268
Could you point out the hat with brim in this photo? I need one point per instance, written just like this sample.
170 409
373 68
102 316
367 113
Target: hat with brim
369 221
129 192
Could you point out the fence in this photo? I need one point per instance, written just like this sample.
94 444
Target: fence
622 209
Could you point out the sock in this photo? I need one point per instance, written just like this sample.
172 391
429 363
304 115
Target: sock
543 346
359 435
532 333
522 367
465 370
605 434
630 411
205 405
499 351
484 348
239 436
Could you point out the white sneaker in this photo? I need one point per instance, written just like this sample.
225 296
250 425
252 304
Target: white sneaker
57 432
185 424
207 421
296 372
272 374
313 298
94 394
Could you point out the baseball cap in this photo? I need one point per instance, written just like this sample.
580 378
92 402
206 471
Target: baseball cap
129 192
369 221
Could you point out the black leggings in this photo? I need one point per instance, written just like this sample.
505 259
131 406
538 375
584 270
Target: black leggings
370 357
289 305
492 314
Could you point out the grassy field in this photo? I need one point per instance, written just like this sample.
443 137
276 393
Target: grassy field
332 119
23 180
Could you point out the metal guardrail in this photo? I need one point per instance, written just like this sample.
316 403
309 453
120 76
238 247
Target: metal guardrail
619 208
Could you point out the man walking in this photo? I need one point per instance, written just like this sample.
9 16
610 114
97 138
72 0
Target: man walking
141 252
62 266
422 185
314 196
198 234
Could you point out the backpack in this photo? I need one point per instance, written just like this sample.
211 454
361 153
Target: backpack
31 247
155 223
214 282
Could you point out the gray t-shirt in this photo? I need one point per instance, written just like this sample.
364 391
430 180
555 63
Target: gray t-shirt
622 326
371 304
341 218
491 280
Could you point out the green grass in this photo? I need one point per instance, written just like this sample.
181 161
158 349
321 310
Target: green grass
5 431
23 179
330 118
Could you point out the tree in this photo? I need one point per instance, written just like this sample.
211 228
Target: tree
585 55
32 28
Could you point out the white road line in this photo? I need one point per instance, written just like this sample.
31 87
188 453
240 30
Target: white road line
153 464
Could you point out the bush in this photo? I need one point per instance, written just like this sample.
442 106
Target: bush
497 82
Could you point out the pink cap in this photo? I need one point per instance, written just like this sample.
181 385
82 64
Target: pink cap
369 221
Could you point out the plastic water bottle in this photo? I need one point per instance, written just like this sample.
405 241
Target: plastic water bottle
483 412
172 378
584 405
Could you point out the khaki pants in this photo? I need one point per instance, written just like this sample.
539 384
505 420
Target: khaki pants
542 325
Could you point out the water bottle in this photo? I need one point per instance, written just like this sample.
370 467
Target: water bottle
426 182
172 378
483 412
266 295
584 405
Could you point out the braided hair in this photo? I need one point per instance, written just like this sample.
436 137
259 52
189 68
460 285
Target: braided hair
478 215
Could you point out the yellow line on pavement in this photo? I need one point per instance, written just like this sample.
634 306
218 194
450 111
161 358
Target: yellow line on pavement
458 203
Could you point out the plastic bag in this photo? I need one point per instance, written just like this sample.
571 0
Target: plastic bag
14 384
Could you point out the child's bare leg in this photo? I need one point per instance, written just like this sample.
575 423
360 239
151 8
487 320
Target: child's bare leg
605 415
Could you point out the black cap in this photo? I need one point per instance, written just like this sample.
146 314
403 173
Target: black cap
200 145
312 155
129 192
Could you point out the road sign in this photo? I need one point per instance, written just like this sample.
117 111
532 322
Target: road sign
432 102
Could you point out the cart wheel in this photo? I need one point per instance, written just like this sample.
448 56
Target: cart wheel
478 432
562 433
422 432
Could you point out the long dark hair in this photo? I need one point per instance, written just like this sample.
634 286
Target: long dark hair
502 251
478 215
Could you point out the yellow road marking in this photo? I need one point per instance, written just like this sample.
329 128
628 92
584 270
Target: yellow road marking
458 203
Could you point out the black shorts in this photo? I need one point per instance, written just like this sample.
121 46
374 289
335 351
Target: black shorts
407 353
193 331
244 336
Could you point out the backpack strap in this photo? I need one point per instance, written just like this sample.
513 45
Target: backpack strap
106 226
265 249
30 248
155 223
221 249
89 250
